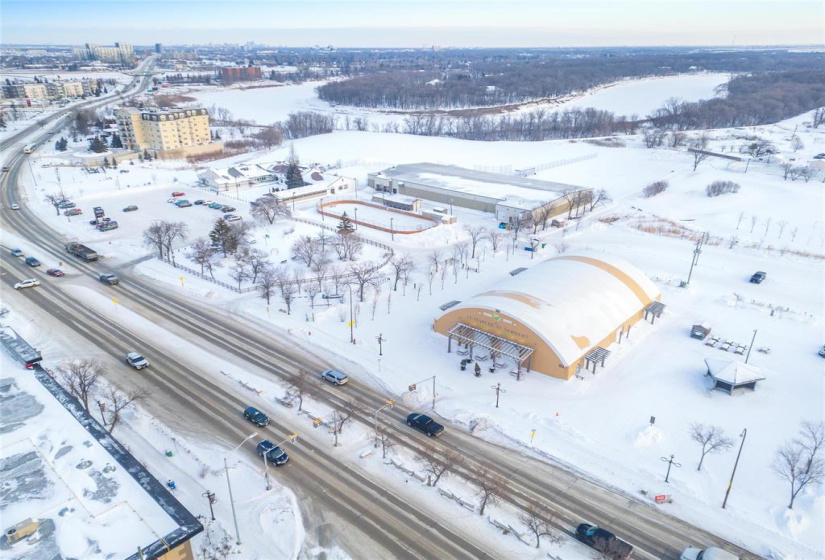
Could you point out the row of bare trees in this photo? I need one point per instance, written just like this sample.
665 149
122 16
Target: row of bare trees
82 379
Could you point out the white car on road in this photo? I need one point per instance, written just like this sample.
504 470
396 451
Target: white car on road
136 360
28 283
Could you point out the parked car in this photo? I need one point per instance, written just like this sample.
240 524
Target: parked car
758 277
107 225
227 208
198 202
73 212
274 454
334 376
15 207
66 204
817 156
31 261
178 193
136 360
603 541
425 424
98 212
256 417
6 168
130 208
171 200
17 253
822 351
55 272
28 283
183 204
231 217
208 202
215 206
110 279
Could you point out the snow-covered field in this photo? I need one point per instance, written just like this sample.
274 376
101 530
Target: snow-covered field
598 425
267 105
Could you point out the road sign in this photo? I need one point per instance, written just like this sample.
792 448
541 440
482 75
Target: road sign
659 498
412 387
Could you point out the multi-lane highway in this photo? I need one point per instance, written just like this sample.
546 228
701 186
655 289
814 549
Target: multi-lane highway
374 517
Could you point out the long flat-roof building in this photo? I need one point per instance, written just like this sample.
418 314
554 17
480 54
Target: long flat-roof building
506 196
557 317
175 130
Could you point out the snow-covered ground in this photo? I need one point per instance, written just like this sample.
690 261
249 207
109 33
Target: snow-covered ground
598 425
266 105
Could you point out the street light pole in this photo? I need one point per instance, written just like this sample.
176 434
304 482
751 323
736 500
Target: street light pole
751 346
356 218
670 462
232 503
392 230
497 388
743 435
210 497
351 320
390 404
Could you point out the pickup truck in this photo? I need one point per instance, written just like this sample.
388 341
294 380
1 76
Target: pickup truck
604 542
81 251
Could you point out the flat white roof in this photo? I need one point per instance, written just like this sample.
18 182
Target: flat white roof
571 302
512 190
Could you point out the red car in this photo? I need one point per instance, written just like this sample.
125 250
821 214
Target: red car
55 272
178 193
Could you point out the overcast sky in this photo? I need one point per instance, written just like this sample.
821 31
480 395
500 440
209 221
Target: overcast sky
415 23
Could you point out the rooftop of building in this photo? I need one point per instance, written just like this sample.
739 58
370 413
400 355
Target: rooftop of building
571 302
517 191
87 495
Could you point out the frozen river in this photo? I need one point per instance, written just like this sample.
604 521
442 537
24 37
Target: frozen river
270 104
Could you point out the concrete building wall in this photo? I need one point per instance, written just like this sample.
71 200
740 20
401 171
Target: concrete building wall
164 131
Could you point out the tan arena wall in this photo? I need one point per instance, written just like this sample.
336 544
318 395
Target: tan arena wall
545 360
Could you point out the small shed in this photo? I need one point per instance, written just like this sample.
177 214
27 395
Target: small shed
700 331
730 375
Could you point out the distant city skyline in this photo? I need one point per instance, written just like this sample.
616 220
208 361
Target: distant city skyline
416 23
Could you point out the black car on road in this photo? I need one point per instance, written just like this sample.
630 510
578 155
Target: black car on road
31 261
274 454
256 417
110 279
425 424
603 541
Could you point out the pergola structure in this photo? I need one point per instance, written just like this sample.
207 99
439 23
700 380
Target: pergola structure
655 310
596 356
496 345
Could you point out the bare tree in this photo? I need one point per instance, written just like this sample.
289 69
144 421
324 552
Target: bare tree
698 149
257 261
116 402
312 289
267 284
437 466
154 236
677 139
363 274
754 219
288 289
739 221
385 442
306 249
80 378
599 197
494 237
56 200
173 231
796 465
238 272
476 234
401 265
797 144
201 251
336 274
818 117
767 224
806 172
782 225
340 417
299 389
490 486
321 269
435 257
711 438
431 274
539 526
347 246
268 209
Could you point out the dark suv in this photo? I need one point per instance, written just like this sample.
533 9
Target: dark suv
256 417
603 541
425 424
110 279
274 454
758 277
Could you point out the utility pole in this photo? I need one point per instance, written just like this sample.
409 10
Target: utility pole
232 503
392 230
751 346
390 403
211 497
670 462
696 251
381 341
743 435
497 388
351 320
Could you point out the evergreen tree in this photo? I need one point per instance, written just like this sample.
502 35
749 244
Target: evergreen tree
223 236
146 155
61 145
345 225
293 172
96 145
105 162
116 142
114 163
